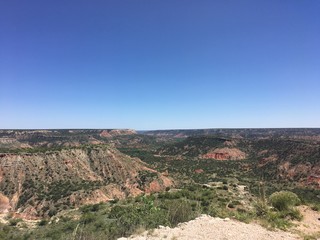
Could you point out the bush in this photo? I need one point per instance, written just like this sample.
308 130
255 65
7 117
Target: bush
316 207
276 220
43 222
293 214
243 216
87 218
284 200
144 214
261 209
179 211
14 221
91 208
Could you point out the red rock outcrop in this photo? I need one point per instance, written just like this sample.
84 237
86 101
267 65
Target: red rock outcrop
267 160
199 170
225 154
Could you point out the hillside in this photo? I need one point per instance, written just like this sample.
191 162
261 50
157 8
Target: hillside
272 158
42 183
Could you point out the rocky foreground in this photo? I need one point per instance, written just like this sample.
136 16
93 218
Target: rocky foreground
206 227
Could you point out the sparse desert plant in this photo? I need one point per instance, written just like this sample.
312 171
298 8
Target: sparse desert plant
261 208
314 236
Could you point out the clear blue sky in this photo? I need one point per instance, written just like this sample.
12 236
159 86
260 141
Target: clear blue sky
159 64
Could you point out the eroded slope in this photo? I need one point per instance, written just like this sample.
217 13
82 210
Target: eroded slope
43 183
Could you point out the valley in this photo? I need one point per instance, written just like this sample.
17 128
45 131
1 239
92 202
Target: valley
109 183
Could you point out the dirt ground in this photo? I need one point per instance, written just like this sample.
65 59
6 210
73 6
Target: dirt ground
310 224
206 227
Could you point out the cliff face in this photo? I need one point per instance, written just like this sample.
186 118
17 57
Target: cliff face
225 154
42 183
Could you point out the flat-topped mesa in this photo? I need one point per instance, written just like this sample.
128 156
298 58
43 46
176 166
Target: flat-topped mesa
15 139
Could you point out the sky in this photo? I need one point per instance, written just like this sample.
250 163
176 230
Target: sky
160 64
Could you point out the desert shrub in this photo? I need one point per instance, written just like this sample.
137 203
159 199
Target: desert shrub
14 221
87 218
43 222
65 219
68 226
284 200
217 210
130 217
192 188
243 215
100 224
231 205
179 210
315 207
314 236
282 213
261 208
291 214
52 212
91 208
276 220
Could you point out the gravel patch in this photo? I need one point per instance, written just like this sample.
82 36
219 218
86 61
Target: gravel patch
206 227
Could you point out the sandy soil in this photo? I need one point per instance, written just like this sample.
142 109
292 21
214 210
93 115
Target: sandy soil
310 223
206 227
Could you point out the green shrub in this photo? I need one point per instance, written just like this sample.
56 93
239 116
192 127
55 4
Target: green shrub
14 221
292 214
216 210
261 209
316 207
284 200
87 218
243 216
276 220
43 222
52 212
231 205
179 210
91 208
